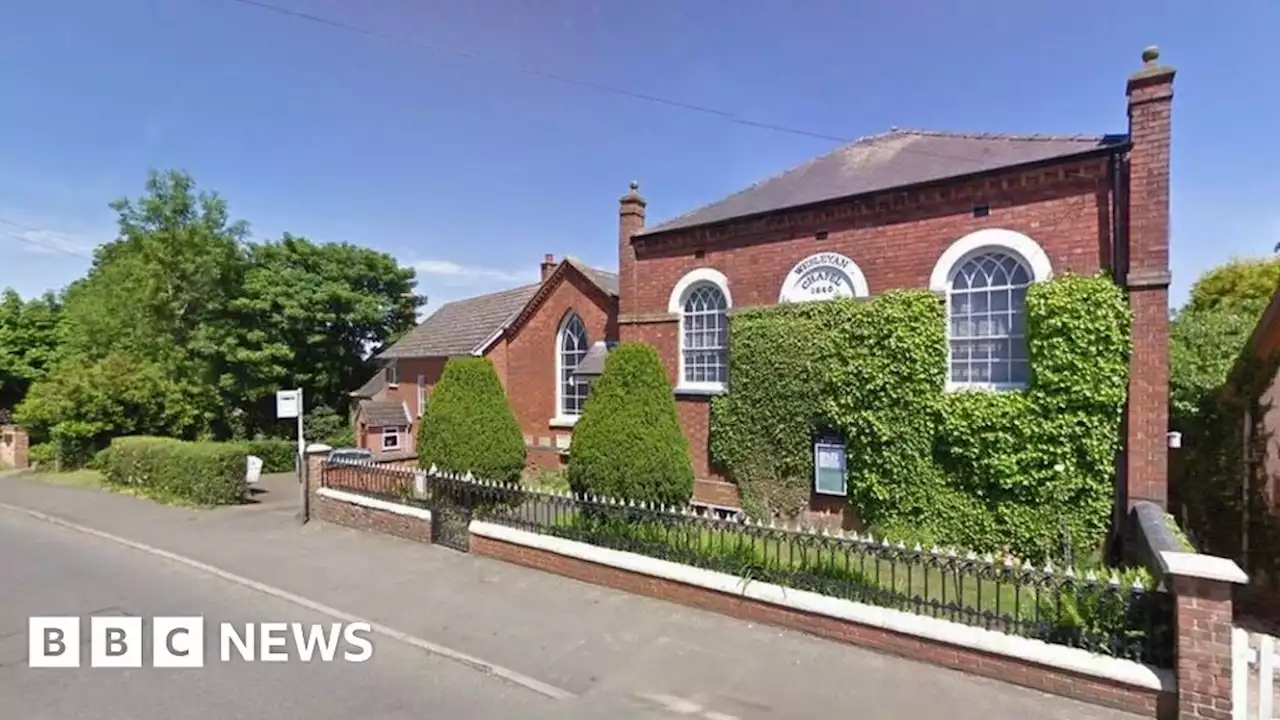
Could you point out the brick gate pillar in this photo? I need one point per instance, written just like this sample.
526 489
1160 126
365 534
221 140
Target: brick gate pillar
1202 587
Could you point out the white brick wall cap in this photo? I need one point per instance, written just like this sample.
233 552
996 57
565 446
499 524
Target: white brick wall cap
375 503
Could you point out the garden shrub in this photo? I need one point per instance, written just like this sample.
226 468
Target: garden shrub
469 426
203 473
277 454
628 444
343 438
1028 471
41 455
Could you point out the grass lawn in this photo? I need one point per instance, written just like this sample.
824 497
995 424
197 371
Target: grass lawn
77 478
93 479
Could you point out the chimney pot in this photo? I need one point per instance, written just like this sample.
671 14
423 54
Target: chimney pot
548 266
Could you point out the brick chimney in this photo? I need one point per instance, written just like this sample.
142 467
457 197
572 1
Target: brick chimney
630 221
548 266
1150 94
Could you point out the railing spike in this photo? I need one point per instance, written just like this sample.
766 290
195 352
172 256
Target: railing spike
1137 583
951 552
1048 567
971 556
1090 576
1115 578
934 550
1069 571
468 477
902 545
917 548
1008 561
989 559
1026 565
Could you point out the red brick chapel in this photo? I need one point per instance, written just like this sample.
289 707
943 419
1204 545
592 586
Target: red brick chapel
953 212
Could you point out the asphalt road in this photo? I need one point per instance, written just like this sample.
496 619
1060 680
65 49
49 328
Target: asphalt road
48 570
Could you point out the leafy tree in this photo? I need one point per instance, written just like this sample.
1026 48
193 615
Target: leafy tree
1238 281
1208 334
469 427
203 322
306 316
628 443
28 343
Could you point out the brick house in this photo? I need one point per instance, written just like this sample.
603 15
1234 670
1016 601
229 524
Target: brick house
974 217
536 335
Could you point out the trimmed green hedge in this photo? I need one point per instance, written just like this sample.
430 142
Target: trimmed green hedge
628 443
203 473
469 426
1029 471
277 455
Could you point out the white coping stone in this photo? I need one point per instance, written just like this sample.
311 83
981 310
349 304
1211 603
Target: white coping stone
1071 659
318 448
374 503
1209 567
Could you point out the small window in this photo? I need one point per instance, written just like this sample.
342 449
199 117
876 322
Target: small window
393 374
422 394
391 438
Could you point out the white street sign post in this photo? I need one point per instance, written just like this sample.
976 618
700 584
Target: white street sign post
289 405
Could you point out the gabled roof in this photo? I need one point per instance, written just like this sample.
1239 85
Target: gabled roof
603 279
384 413
898 158
459 327
466 327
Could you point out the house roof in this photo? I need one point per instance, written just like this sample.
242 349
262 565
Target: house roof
384 413
372 386
459 327
464 327
603 279
889 160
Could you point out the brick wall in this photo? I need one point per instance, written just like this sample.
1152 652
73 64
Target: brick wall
355 516
530 359
896 239
1203 623
1091 689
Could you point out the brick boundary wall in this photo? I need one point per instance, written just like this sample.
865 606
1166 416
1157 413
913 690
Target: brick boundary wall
1146 702
363 518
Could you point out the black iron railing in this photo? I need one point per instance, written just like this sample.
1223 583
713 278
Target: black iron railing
1113 612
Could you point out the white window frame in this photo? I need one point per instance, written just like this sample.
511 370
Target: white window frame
422 394
563 419
393 373
675 305
395 432
1011 242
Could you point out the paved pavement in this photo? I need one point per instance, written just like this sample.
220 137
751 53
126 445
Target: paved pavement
617 654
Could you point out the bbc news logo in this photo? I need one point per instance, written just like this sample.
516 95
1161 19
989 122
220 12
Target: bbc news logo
179 642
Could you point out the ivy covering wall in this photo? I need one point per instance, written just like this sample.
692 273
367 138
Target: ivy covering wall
1029 471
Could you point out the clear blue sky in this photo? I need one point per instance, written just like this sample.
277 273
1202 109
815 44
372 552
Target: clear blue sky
472 171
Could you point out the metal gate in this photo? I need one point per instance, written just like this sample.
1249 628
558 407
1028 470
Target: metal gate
451 525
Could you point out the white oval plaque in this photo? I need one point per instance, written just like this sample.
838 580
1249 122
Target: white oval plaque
823 276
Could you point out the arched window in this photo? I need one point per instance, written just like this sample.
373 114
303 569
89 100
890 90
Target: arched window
988 315
571 346
984 277
701 300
